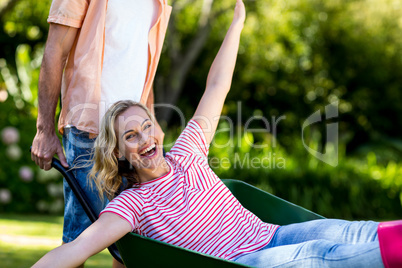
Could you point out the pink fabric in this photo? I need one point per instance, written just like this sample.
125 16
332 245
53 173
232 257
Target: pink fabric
390 238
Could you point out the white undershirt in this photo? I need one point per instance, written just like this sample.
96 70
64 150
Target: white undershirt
125 61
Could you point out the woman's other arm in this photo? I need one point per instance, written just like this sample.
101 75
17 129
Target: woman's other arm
105 231
220 76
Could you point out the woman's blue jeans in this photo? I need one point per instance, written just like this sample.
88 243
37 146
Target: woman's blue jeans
320 243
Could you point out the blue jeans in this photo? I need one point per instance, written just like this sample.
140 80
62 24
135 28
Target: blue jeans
78 147
320 243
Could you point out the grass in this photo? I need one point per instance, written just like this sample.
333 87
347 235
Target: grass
24 239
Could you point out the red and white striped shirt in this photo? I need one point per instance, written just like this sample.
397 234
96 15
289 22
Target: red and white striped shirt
190 206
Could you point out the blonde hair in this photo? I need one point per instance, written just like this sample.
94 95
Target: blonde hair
108 170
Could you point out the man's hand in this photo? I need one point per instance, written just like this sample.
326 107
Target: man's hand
45 145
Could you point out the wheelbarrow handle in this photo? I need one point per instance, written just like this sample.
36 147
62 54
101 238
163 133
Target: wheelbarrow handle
80 195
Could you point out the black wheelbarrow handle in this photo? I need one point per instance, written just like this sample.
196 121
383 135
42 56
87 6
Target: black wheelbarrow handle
71 180
80 195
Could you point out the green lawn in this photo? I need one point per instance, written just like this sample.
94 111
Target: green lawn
26 238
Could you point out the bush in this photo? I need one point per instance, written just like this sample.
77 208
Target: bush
24 188
355 189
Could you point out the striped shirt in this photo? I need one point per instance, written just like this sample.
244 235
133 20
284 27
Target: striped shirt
191 207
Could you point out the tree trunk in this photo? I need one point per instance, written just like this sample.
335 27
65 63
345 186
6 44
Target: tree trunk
168 89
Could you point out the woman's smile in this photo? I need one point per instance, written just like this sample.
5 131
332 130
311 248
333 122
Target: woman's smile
149 152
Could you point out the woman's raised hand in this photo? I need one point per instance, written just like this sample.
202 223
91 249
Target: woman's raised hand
239 13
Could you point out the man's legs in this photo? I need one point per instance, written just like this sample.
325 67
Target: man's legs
78 148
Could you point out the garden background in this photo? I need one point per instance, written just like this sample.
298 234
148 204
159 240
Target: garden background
295 58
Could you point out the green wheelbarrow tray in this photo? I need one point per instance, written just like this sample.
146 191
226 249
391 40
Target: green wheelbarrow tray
140 251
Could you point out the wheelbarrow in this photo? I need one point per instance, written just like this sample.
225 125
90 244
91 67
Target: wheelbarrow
138 251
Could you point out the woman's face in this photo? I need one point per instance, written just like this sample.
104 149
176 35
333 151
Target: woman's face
136 140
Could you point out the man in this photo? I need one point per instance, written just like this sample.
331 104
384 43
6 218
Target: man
97 52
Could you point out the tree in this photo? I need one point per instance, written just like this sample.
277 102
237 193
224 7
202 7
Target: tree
188 31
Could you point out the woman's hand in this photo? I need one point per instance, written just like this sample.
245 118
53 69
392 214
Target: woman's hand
102 233
239 13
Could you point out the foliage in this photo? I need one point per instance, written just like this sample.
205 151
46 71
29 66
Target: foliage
357 188
23 186
41 192
297 56
24 24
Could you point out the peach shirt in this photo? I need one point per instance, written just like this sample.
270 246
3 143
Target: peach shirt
81 85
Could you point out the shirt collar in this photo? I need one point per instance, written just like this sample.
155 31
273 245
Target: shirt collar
159 179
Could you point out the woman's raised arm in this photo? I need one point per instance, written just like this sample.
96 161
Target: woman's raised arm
105 231
220 76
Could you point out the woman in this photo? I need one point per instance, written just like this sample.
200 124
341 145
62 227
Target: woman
179 200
